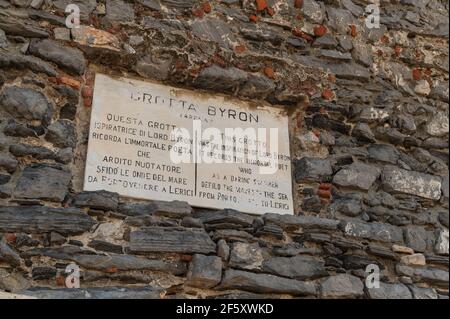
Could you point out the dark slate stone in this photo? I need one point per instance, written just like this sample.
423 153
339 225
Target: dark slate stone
4 178
262 283
226 218
246 256
62 134
8 162
353 261
64 156
357 175
341 286
127 262
119 11
298 267
101 245
68 58
204 271
294 222
8 255
190 222
416 237
220 79
443 218
152 4
13 24
25 103
180 240
381 251
95 293
41 219
86 6
428 275
16 129
373 231
43 273
335 55
349 207
19 61
363 133
389 291
257 32
312 169
214 30
423 293
257 86
384 153
102 200
43 181
160 208
38 152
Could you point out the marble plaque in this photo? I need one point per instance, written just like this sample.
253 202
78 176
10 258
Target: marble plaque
157 142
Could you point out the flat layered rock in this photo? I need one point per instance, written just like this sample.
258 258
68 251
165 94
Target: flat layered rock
298 267
43 181
342 286
229 217
95 293
171 239
389 291
68 58
102 200
290 221
40 219
128 262
374 231
263 283
357 175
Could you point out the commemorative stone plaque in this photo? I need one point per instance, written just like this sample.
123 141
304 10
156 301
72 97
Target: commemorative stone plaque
157 142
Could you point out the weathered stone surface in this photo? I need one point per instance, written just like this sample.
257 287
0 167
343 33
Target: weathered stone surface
389 291
341 286
181 240
68 58
423 293
414 260
357 175
15 60
8 255
204 271
105 246
43 273
289 221
262 283
416 237
39 219
441 247
214 30
95 293
429 275
16 22
43 181
96 40
220 79
12 281
119 11
159 208
398 180
226 218
246 256
102 200
384 153
8 162
62 134
374 231
312 169
402 249
25 103
86 6
127 262
38 152
298 267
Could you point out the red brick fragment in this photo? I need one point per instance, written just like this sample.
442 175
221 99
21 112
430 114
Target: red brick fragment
69 82
325 186
298 3
253 18
261 5
240 48
87 102
269 72
324 193
60 281
320 30
198 12
207 7
327 94
417 74
111 270
10 237
353 31
270 11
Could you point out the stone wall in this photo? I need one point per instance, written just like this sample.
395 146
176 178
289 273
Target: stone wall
369 142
